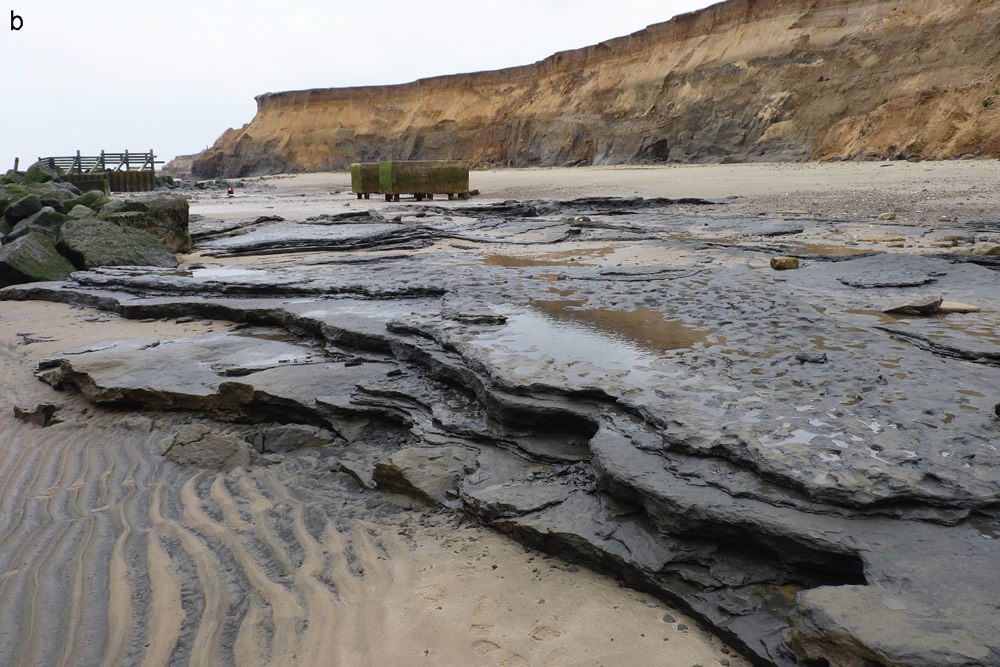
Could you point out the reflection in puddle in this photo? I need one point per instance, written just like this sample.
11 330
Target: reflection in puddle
563 258
224 272
946 325
885 318
819 342
646 327
824 249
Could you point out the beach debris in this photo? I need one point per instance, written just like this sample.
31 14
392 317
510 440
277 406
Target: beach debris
958 307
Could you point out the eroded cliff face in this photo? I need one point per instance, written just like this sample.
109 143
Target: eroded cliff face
743 80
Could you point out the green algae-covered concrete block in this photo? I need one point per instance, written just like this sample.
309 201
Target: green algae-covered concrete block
423 177
364 177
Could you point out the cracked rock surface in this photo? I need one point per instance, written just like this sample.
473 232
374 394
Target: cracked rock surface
623 384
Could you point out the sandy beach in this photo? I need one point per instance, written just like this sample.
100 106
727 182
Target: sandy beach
920 191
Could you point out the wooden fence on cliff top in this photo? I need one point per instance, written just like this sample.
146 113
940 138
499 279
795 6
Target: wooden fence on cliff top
124 172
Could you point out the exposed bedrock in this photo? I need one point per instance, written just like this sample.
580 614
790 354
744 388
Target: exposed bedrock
766 449
741 80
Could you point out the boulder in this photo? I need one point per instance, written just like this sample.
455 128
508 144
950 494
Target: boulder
59 186
81 211
164 216
784 263
13 176
47 221
41 172
11 192
30 258
22 208
53 196
92 199
90 242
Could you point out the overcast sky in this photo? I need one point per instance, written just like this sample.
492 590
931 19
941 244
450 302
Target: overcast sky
139 74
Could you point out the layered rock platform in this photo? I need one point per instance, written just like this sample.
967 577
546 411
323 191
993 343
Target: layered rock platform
814 479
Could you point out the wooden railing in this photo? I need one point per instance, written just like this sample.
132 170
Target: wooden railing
130 171
89 164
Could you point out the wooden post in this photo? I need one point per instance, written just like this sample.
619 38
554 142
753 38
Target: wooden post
17 161
78 164
126 160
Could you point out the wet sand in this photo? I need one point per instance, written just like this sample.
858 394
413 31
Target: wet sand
111 554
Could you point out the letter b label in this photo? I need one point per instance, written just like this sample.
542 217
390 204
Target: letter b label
16 22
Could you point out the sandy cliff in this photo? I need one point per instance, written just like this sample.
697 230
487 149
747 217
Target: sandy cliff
741 80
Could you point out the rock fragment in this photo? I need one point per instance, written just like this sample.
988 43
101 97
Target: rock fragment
425 472
200 445
879 237
811 357
42 414
924 305
985 249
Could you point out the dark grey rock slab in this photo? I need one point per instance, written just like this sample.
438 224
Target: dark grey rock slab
888 270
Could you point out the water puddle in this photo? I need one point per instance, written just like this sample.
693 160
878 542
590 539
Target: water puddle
885 318
819 342
829 249
226 273
643 326
562 258
560 342
988 527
